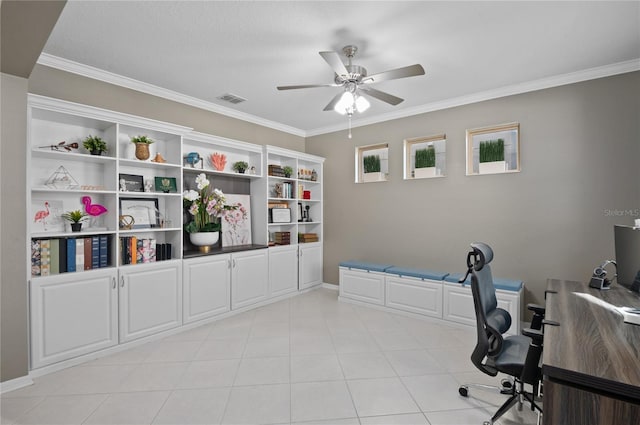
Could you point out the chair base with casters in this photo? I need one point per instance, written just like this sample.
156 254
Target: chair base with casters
517 356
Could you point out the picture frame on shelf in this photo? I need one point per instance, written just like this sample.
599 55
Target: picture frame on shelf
493 150
143 210
131 183
280 215
166 184
47 215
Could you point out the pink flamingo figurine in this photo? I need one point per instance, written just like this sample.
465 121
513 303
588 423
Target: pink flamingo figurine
42 215
93 210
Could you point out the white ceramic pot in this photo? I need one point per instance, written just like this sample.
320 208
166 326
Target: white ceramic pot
423 173
492 167
204 240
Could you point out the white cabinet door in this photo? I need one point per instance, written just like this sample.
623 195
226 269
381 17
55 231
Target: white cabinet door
72 314
283 270
414 295
150 299
249 277
206 287
310 265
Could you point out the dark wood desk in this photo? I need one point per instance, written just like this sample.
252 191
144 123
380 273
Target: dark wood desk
591 361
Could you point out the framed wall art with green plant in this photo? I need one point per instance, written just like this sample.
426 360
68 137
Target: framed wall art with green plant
425 157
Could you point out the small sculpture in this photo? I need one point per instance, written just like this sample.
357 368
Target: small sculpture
218 160
123 185
93 210
192 158
62 145
126 222
159 159
148 185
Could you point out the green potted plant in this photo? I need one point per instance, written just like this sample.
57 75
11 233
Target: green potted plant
75 218
95 145
371 168
491 157
240 166
142 147
425 163
287 171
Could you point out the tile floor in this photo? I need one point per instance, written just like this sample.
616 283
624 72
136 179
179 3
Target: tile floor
308 359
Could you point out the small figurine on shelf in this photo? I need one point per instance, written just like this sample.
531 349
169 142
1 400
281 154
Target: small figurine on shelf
159 159
252 170
308 218
148 185
314 175
192 158
218 160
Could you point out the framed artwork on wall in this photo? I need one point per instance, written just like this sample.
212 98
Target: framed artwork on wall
425 157
493 150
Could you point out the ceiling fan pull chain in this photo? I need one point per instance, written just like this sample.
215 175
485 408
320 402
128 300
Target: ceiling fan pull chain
349 126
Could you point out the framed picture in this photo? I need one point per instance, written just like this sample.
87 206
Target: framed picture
372 163
143 210
280 215
131 183
236 224
46 216
166 184
493 150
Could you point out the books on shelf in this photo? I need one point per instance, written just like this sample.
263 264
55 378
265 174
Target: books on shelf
308 237
67 255
282 238
139 251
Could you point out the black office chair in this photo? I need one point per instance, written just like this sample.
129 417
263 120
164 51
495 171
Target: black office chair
517 356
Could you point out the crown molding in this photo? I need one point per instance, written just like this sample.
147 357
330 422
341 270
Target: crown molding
130 83
529 86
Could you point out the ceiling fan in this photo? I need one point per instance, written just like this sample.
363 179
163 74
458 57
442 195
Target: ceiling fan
355 81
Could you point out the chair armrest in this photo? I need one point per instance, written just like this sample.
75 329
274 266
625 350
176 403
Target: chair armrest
536 308
536 335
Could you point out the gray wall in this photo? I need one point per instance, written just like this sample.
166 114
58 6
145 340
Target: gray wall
52 82
13 248
580 153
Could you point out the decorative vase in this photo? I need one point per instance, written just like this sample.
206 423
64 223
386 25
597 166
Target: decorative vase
204 240
76 227
142 151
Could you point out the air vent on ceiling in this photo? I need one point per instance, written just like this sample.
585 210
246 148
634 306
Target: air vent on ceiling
232 98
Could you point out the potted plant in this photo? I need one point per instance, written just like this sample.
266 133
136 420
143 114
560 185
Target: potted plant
371 168
287 171
425 165
142 147
206 206
491 157
240 166
75 218
95 145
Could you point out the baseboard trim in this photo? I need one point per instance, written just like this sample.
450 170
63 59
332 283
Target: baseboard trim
15 384
331 286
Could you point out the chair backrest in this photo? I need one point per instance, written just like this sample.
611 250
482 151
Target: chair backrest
491 321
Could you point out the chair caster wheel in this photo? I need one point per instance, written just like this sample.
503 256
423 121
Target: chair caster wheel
506 384
464 391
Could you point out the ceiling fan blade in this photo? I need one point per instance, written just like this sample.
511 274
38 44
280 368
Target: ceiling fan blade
334 61
305 86
380 95
333 102
394 74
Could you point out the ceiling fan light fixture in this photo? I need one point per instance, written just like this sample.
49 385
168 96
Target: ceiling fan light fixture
362 104
345 104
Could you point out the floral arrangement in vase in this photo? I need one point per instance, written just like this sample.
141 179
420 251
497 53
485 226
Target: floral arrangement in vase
218 160
206 205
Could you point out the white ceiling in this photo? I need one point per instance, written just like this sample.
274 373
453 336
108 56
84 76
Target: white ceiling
470 50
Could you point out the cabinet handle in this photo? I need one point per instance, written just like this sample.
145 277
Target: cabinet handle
234 263
122 281
228 264
113 280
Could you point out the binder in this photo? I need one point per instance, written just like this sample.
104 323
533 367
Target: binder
71 255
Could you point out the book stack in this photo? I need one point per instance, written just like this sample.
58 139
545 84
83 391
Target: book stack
134 250
67 255
282 238
276 170
308 237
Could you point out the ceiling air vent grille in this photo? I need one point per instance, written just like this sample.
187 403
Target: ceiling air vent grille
231 98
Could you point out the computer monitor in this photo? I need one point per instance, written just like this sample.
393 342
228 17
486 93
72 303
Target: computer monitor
627 241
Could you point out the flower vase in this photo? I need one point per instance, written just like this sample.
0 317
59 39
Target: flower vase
204 240
142 151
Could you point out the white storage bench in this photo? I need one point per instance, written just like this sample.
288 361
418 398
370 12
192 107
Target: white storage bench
458 300
414 290
363 281
424 292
